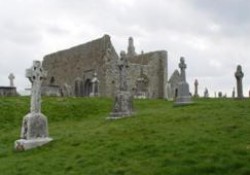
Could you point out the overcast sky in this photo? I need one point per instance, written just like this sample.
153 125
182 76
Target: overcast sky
212 35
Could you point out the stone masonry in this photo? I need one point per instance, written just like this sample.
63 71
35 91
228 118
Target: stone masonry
73 69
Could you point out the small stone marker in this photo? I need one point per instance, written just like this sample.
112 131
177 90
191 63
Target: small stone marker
220 94
11 78
34 131
233 93
123 105
183 94
239 75
206 93
196 83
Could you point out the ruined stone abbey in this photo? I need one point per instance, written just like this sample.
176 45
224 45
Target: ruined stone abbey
91 69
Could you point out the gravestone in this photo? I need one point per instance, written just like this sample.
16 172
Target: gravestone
183 94
239 75
220 94
95 86
123 105
11 78
196 88
206 93
34 131
233 93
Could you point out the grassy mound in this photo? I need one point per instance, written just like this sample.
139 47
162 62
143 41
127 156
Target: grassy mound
211 136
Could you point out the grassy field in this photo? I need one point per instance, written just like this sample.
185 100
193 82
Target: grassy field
211 136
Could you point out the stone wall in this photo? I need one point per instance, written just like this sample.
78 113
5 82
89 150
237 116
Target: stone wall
153 66
73 69
8 91
78 64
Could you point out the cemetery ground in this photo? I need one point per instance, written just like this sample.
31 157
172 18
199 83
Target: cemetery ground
212 136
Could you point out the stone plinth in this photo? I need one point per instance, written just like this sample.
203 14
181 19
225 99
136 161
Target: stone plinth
23 144
183 97
123 106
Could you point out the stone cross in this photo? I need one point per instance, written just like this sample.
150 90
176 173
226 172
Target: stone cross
123 65
11 78
196 88
239 75
36 74
182 67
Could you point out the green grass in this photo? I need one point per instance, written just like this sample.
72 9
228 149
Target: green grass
210 137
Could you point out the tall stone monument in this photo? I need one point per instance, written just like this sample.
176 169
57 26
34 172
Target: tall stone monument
239 75
131 47
34 131
11 78
196 88
183 94
123 105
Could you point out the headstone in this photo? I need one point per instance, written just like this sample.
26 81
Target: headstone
183 94
206 93
123 105
196 88
233 93
11 78
95 86
239 75
220 94
34 131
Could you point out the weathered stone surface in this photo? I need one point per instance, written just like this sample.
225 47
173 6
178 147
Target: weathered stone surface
220 94
11 78
23 144
196 83
183 94
206 93
239 75
123 104
233 93
131 48
7 91
34 127
172 85
95 86
76 66
52 90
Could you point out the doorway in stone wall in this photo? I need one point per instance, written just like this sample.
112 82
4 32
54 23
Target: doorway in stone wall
87 87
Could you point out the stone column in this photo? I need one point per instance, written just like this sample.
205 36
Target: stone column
11 78
196 88
183 95
34 131
239 75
